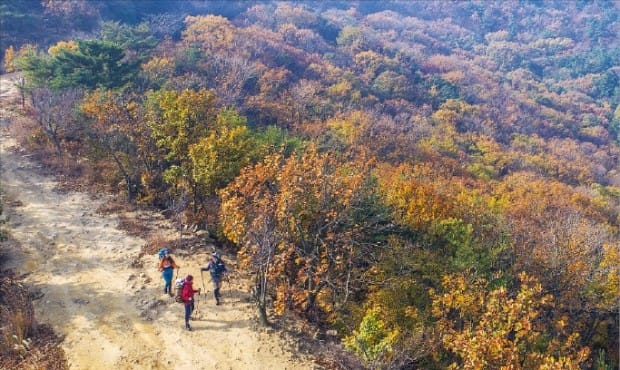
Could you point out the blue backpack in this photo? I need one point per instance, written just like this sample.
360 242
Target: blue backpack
162 252
218 267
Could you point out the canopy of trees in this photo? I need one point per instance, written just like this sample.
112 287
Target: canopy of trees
439 182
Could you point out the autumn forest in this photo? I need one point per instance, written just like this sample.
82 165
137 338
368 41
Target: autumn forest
436 181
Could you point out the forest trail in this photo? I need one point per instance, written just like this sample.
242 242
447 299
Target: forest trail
111 314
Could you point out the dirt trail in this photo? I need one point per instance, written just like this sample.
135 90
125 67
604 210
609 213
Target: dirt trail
112 315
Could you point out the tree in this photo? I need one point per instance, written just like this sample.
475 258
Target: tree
159 71
36 66
557 234
218 157
94 64
209 33
273 104
248 217
54 111
459 223
321 216
373 341
73 8
9 59
230 76
117 129
300 16
390 84
178 121
138 40
323 213
352 38
500 330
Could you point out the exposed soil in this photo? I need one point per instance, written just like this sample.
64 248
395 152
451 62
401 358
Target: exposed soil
98 291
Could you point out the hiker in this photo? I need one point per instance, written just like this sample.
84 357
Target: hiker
217 269
166 267
188 299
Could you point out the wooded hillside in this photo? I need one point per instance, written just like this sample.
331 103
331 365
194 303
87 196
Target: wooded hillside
437 181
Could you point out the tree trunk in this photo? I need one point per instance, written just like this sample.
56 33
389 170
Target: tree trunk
128 181
262 315
311 300
260 296
57 144
22 85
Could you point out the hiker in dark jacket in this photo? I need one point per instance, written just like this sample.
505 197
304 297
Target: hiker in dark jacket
187 294
217 269
166 267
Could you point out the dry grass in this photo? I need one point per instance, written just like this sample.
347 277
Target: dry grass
16 314
114 207
23 343
132 226
156 242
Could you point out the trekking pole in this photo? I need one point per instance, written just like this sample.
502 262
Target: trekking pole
202 278
196 311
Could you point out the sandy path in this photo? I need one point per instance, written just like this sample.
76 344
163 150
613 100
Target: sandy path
111 314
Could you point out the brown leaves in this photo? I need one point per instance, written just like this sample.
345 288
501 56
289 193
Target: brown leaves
301 207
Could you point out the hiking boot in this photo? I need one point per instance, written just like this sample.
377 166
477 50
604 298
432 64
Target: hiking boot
217 302
187 327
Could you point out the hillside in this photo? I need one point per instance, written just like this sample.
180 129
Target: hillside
436 183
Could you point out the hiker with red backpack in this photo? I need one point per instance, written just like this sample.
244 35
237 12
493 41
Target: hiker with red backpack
166 267
217 269
187 295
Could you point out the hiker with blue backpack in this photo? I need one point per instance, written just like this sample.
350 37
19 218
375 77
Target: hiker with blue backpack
166 267
217 269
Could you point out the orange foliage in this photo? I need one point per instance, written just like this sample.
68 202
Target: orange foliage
310 201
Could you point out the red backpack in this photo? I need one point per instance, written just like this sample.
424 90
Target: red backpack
187 292
179 286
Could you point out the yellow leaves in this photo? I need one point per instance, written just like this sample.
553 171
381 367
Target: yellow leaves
340 90
351 127
607 277
448 118
367 63
159 68
218 158
209 32
373 340
412 312
279 305
504 331
414 196
453 110
561 323
57 48
110 110
181 119
273 80
9 58
454 77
